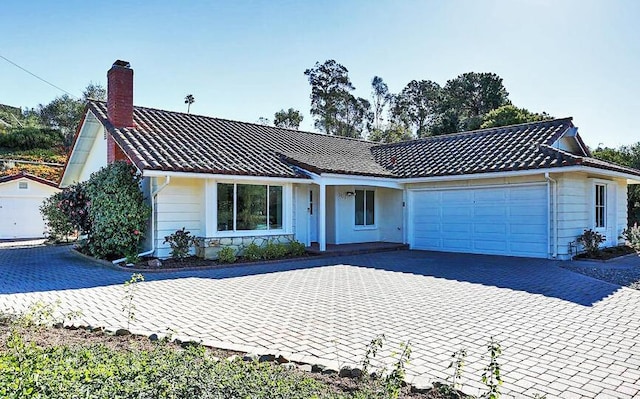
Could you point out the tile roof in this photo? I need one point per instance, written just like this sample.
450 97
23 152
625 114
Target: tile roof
502 149
173 141
5 179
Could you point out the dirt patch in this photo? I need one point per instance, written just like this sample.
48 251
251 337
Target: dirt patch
193 262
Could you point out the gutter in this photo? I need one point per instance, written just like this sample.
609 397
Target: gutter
154 194
554 221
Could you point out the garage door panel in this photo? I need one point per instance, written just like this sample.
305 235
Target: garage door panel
498 220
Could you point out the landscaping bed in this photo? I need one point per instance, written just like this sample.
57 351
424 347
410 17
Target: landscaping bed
47 362
607 253
193 262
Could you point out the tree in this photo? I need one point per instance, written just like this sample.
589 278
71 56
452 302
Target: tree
391 133
263 121
330 94
289 119
189 99
354 117
417 106
380 97
511 115
64 112
468 98
626 156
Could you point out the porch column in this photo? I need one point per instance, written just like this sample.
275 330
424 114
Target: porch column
322 218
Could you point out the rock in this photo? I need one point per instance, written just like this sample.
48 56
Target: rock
121 332
345 371
289 366
317 368
356 373
187 344
329 371
420 388
266 358
306 368
250 357
155 263
281 359
153 337
233 358
58 325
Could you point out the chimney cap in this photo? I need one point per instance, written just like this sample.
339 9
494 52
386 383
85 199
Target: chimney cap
121 63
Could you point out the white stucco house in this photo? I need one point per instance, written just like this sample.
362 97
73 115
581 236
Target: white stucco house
523 190
20 198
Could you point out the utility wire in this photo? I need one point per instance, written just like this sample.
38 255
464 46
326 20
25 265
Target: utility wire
36 76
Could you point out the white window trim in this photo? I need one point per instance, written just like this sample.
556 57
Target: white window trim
592 204
373 226
244 233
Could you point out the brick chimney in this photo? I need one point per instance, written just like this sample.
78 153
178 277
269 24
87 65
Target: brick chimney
119 105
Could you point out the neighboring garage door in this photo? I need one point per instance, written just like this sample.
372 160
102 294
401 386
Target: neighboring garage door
497 220
20 217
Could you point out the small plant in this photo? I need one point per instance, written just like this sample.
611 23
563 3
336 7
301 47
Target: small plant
130 289
591 241
275 250
296 248
372 351
41 314
227 255
180 242
252 252
632 236
457 364
394 381
491 375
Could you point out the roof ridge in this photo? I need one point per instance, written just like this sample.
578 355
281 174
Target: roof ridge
248 123
472 132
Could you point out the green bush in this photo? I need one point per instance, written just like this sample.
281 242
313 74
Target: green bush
591 241
30 371
117 211
29 138
296 248
59 226
274 250
632 236
252 252
180 241
227 255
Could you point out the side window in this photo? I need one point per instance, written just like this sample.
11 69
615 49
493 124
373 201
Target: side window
600 205
365 208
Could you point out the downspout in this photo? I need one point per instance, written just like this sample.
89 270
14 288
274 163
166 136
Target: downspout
154 194
555 211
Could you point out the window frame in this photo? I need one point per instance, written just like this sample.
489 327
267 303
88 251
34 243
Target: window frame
600 207
364 226
268 230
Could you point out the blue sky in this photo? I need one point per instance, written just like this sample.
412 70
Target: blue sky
245 59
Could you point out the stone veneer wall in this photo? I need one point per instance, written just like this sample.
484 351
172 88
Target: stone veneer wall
208 248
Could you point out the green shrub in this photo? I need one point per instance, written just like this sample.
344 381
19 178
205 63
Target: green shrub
296 248
28 138
227 255
591 241
632 236
252 252
274 250
180 241
58 223
117 211
98 372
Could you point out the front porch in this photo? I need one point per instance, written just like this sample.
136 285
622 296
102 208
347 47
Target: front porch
357 248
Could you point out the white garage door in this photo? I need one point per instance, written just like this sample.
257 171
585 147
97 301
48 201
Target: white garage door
498 221
20 217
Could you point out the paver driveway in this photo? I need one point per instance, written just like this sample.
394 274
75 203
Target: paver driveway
563 334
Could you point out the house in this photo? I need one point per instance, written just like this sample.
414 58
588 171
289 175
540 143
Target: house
524 190
20 198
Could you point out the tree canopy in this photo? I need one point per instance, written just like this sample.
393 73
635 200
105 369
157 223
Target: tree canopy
290 119
511 115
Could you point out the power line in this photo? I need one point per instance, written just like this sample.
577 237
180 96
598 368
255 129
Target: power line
36 76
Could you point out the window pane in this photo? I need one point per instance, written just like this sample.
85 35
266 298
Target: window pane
370 205
275 207
359 208
251 207
225 207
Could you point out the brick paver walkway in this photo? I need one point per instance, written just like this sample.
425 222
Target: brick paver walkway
563 334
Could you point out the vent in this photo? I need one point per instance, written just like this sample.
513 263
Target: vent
23 185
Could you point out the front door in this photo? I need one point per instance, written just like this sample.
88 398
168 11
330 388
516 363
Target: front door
313 215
